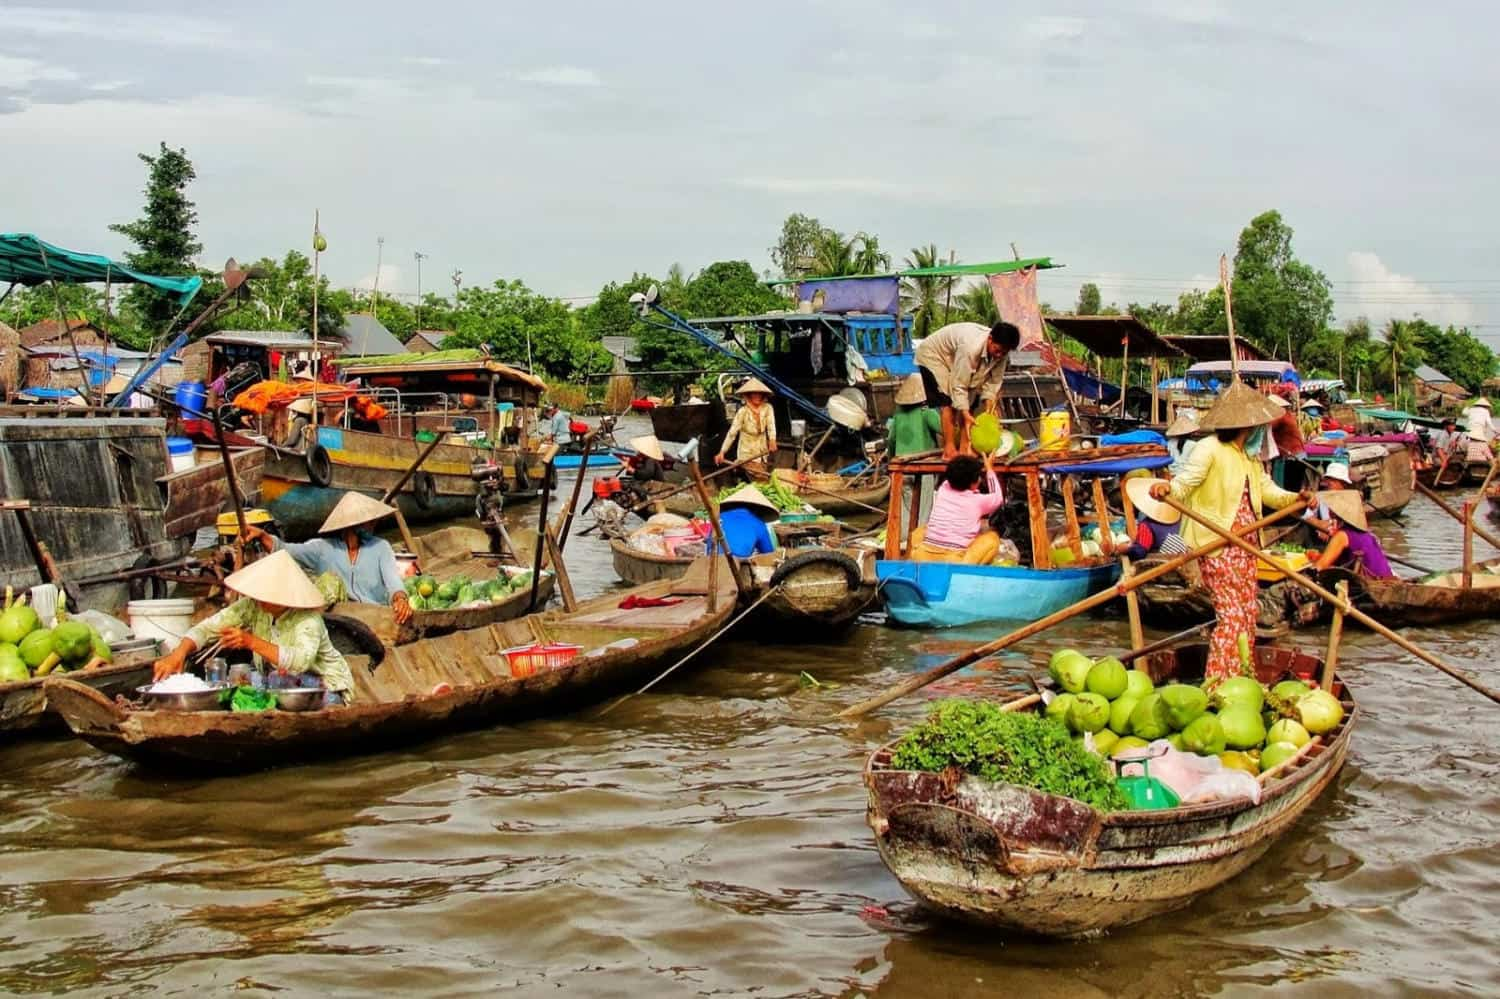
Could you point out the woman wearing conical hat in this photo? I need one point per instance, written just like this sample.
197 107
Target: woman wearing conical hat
1348 543
754 425
1223 481
347 548
278 618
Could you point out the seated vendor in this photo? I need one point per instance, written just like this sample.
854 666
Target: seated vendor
746 517
645 464
278 619
1336 477
1349 543
957 529
1156 524
347 549
1182 435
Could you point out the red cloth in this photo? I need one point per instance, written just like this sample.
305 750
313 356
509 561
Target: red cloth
632 602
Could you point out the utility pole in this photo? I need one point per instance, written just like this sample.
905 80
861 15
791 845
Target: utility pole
419 256
375 287
458 279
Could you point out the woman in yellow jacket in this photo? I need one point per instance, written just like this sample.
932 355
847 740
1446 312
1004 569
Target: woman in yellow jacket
1223 481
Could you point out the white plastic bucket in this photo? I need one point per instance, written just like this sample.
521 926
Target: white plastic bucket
166 620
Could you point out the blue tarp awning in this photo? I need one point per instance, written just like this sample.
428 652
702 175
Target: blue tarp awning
1116 466
25 259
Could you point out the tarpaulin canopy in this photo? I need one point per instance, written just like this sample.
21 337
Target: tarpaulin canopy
25 259
1114 466
1107 336
1275 370
942 270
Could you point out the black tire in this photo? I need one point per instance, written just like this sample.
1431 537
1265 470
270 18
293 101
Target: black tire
319 465
424 489
815 556
523 481
353 637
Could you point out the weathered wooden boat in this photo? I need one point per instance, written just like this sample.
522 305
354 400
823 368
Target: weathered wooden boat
927 594
24 710
834 496
1382 466
1010 857
443 555
434 687
1437 599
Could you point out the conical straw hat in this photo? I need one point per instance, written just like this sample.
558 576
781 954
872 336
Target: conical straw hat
911 392
353 510
1186 423
1139 491
648 446
1347 505
753 500
276 579
1482 401
1239 407
753 384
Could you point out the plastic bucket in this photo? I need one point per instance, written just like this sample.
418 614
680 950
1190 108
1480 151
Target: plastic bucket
180 453
1056 427
191 398
166 620
799 429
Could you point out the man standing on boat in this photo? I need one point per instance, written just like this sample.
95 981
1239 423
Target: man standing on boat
346 547
960 364
557 431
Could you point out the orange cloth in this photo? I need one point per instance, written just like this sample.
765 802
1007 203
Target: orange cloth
264 395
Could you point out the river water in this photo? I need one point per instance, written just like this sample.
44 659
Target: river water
708 838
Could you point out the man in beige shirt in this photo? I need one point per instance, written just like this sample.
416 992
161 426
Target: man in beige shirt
961 364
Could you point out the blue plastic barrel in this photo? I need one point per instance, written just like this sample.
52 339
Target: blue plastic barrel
191 398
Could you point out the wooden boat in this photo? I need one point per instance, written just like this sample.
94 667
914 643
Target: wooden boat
848 502
424 689
24 710
1010 857
1435 600
944 594
1384 470
443 555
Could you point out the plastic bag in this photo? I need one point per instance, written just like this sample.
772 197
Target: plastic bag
1194 778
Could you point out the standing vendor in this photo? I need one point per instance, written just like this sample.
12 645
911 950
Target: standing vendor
961 364
915 427
1477 417
346 548
754 424
1224 482
745 517
556 429
278 619
1182 435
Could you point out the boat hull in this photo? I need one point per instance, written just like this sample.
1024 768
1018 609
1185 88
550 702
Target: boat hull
24 711
945 595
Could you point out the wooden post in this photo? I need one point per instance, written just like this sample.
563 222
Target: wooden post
1041 544
1132 606
723 542
1468 544
1129 508
1155 392
914 516
564 584
1101 514
583 466
1448 509
541 530
1070 518
1335 636
893 515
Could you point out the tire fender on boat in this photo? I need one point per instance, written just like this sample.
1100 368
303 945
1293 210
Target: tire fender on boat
319 465
424 489
817 556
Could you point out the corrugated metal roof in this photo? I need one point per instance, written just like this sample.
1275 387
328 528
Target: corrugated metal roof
270 339
1431 375
366 336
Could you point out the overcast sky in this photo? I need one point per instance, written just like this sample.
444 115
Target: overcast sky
569 143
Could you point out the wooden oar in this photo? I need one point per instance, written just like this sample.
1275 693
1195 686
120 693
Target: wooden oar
988 649
1448 509
1334 600
1168 642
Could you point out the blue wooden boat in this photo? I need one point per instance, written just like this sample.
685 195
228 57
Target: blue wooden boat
597 459
945 595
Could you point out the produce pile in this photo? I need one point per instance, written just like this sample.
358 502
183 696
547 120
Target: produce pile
428 594
773 489
1247 726
27 649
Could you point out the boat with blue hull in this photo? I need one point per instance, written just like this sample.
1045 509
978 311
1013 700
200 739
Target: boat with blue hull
947 595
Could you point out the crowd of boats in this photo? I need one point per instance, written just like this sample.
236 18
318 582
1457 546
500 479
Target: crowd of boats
272 443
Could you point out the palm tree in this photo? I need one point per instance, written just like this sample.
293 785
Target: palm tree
977 301
837 256
923 295
1405 350
869 258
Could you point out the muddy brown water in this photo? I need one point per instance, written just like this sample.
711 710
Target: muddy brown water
708 838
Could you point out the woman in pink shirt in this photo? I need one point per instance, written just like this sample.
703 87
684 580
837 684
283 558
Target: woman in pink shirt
957 530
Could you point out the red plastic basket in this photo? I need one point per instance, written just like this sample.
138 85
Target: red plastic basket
526 660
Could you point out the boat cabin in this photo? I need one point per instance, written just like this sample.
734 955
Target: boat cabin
465 390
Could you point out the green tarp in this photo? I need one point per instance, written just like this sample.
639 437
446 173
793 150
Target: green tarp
24 259
942 270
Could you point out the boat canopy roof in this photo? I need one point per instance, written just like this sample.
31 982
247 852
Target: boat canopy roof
791 320
444 365
1110 336
1282 371
25 259
942 270
1314 385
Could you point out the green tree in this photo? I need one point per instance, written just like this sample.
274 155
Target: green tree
516 322
1403 353
925 295
1160 316
976 304
163 236
1455 352
839 256
797 247
611 313
1088 300
1279 301
33 305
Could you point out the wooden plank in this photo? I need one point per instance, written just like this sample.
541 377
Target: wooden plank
1041 544
1101 517
1070 518
1132 607
1129 508
893 515
564 584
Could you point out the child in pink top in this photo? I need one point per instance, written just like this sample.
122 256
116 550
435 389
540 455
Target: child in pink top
957 530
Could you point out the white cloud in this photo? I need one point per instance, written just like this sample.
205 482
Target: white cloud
173 30
1052 29
17 72
108 86
424 60
561 76
1379 293
390 280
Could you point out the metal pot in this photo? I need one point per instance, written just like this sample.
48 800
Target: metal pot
299 698
193 700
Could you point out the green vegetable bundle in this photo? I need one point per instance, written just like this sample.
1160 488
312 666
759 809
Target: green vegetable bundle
1009 747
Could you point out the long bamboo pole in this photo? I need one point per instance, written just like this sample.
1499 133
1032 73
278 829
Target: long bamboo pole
1334 600
988 649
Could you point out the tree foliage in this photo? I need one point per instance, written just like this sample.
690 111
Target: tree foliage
163 236
925 296
518 324
1278 300
797 247
1089 300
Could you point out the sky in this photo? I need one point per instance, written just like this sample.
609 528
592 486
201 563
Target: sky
571 143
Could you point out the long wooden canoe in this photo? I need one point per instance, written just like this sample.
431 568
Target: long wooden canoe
424 689
24 710
1010 857
1438 600
845 503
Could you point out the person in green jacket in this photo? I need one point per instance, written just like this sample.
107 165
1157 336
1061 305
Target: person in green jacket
915 427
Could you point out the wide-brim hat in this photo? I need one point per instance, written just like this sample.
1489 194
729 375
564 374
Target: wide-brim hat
276 579
353 510
1279 402
303 376
912 391
1311 404
303 406
1239 408
1139 491
1338 471
1347 505
753 384
648 446
754 500
1482 401
1186 423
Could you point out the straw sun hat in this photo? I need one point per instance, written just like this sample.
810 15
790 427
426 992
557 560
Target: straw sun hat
276 579
1185 424
353 510
1139 491
911 391
648 446
753 500
1347 505
753 384
1239 408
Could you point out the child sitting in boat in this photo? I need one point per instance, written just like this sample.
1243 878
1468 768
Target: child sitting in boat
958 528
278 619
1156 524
1349 543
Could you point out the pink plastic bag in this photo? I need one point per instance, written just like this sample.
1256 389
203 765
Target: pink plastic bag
1195 778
